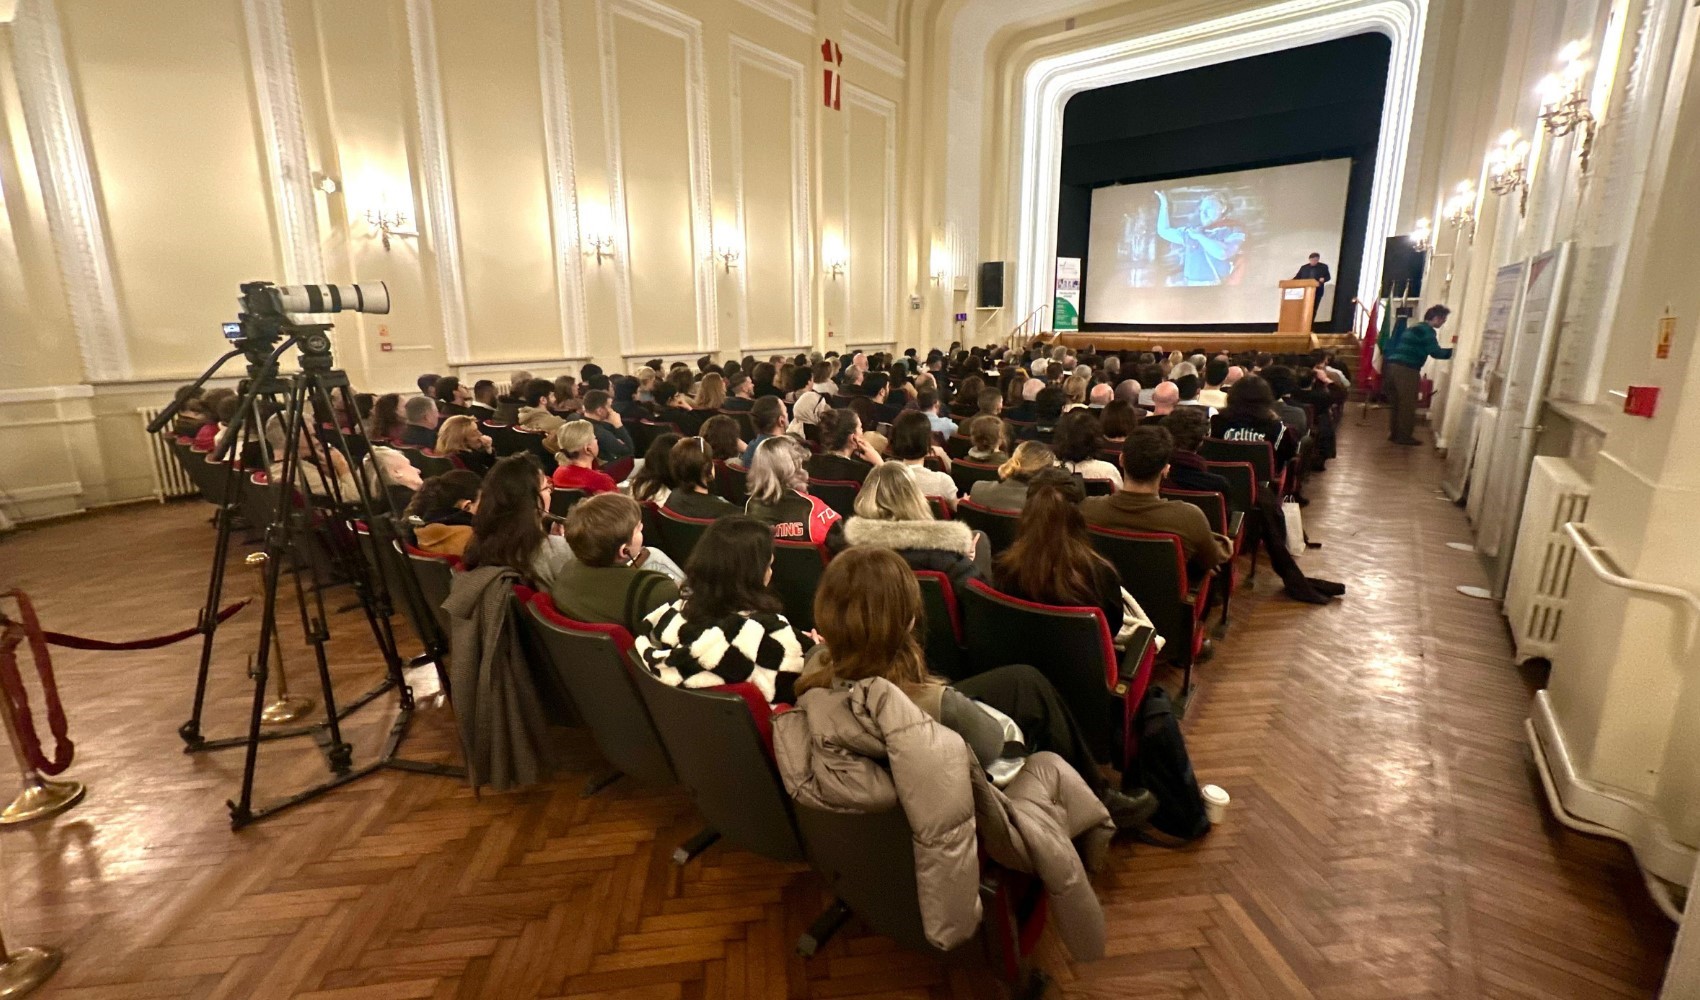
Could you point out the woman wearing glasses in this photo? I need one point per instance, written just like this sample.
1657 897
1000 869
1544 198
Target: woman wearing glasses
509 528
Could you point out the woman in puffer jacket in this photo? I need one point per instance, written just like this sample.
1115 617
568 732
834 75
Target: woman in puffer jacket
727 628
892 514
865 612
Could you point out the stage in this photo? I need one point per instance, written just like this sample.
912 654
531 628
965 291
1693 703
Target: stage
1210 343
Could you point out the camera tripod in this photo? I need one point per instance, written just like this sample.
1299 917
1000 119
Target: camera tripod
321 515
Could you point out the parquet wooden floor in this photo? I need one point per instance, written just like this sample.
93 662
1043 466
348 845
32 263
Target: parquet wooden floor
1386 839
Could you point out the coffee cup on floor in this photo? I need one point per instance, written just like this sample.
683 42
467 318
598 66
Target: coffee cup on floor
1215 802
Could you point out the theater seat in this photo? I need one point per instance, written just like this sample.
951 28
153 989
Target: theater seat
997 525
1153 569
838 494
731 483
943 624
967 473
797 569
677 534
594 664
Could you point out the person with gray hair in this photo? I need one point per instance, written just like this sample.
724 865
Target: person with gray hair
779 495
421 415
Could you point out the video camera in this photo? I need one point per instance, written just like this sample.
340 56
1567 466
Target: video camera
267 311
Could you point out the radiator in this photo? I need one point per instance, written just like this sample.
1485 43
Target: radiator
170 479
1539 587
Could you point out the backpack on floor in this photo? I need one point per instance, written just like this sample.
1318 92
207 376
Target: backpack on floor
1166 770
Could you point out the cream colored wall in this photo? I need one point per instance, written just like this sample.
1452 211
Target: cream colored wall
504 132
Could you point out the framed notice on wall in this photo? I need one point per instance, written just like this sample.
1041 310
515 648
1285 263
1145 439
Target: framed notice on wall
1065 307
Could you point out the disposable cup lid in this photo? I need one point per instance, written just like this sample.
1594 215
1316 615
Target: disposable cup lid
1214 793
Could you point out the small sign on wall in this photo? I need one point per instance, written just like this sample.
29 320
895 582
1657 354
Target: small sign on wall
1667 333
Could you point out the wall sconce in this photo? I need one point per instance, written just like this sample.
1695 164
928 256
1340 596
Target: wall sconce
1461 211
728 257
388 224
1422 236
1564 101
1508 169
600 246
324 183
940 265
836 268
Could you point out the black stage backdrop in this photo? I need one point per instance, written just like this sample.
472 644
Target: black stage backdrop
1316 102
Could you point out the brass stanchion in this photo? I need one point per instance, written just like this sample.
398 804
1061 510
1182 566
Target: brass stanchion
40 797
288 707
23 970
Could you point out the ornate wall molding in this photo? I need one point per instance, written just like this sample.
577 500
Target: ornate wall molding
688 29
563 184
885 25
785 12
437 218
72 197
278 97
874 53
856 97
748 53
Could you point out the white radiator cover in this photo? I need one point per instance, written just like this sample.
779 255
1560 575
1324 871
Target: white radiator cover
1539 587
169 477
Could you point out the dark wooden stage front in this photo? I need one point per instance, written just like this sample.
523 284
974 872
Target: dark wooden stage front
1232 343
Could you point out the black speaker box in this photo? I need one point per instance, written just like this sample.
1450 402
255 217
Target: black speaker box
991 284
1402 267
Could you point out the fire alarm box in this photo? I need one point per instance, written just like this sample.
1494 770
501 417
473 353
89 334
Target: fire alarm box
1641 400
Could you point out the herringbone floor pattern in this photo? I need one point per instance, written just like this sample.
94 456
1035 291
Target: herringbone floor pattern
1386 838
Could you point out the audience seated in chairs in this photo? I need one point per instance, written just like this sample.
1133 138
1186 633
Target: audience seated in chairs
626 403
222 410
768 417
460 441
1188 471
385 424
1052 560
1047 413
563 399
779 496
692 466
1118 418
724 439
727 628
912 444
614 580
445 504
864 611
1251 416
1164 399
710 394
674 407
420 431
741 393
508 526
1009 492
990 403
1138 505
927 403
1077 442
534 413
845 454
397 470
892 514
987 438
452 397
482 406
653 482
576 448
613 441
815 401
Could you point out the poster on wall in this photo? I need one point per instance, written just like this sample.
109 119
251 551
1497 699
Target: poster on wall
1501 315
1065 307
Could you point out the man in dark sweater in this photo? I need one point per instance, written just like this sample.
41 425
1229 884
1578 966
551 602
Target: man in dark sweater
1138 505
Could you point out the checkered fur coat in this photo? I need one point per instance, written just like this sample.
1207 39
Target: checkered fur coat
760 647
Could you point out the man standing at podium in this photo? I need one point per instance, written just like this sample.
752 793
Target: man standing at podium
1316 271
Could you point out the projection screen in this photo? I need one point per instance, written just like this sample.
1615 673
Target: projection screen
1211 248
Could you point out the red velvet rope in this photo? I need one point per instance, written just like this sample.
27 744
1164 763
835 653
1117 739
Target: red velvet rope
13 633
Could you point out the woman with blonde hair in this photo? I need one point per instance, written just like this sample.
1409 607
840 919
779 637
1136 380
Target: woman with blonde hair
1074 392
575 456
646 377
892 514
866 610
461 442
1009 492
779 495
711 392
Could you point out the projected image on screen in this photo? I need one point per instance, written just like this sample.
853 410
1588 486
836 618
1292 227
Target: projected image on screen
1212 248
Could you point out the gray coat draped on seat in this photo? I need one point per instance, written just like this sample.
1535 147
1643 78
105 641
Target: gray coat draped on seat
866 747
503 733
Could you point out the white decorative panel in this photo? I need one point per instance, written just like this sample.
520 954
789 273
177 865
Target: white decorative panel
770 90
272 58
563 188
438 223
68 181
645 158
870 215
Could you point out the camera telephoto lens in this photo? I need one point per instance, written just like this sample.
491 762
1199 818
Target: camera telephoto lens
371 297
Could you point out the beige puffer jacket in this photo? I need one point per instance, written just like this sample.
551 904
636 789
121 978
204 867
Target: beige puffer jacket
830 751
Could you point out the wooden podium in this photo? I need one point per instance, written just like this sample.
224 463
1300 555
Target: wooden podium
1298 305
